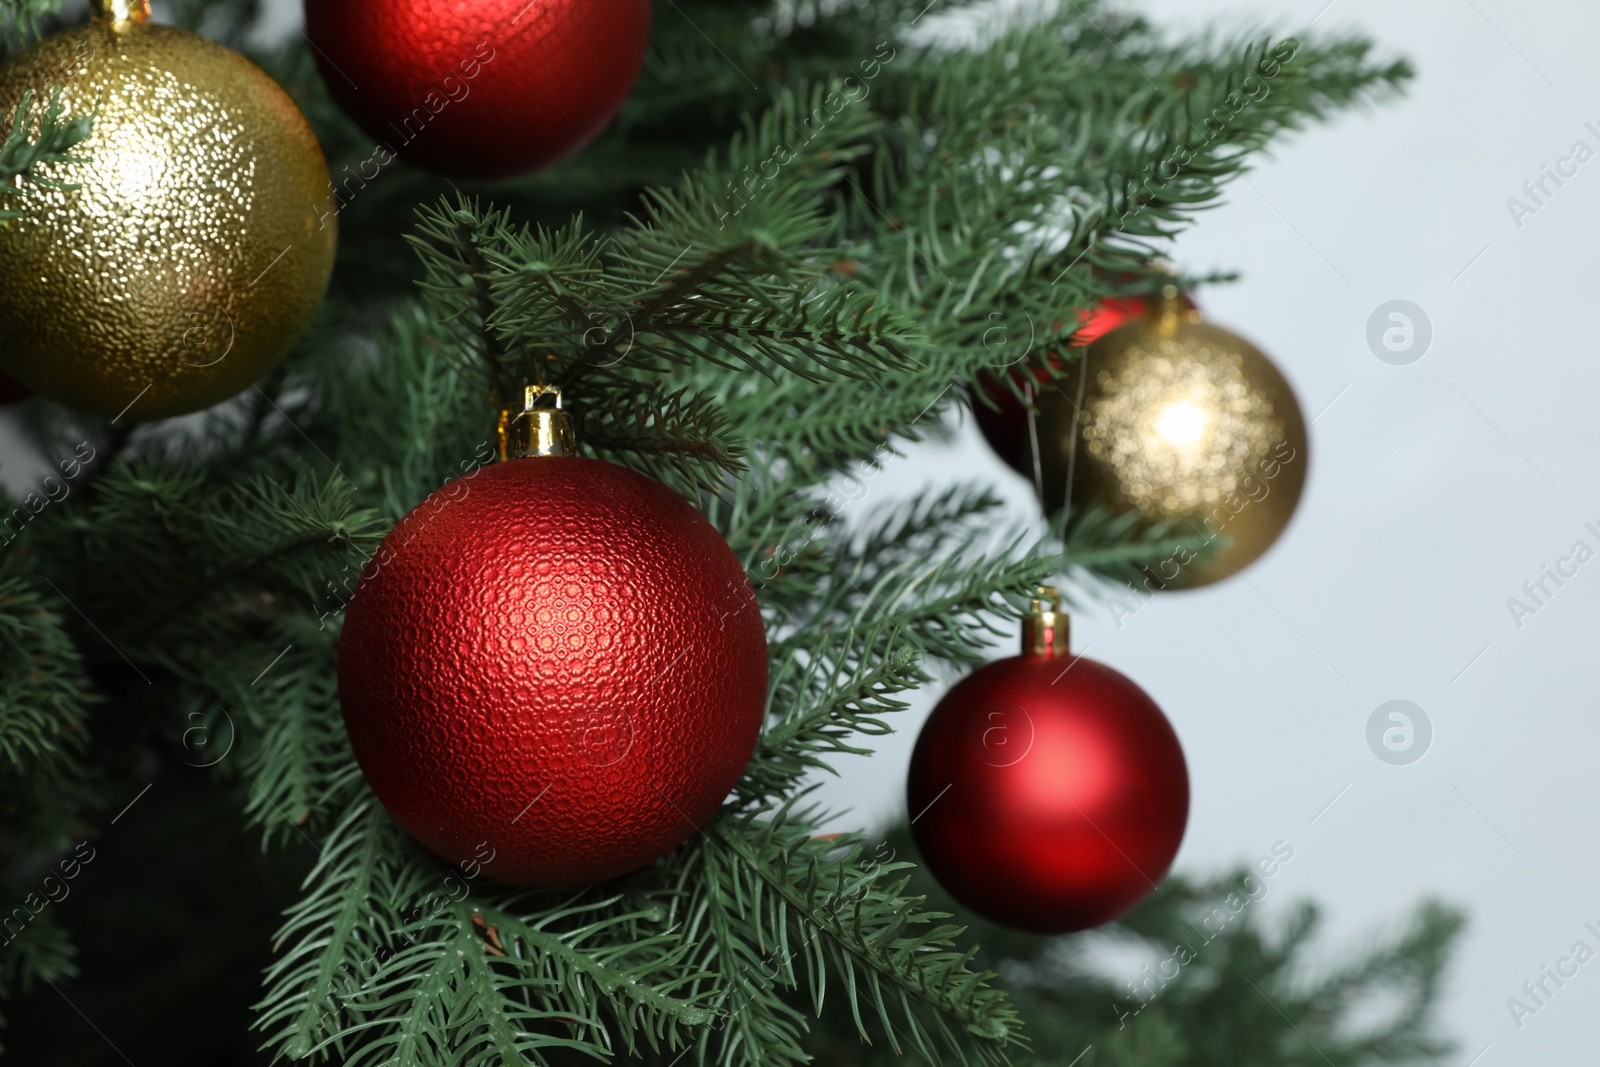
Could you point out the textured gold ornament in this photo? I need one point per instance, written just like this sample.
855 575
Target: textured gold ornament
200 238
1184 422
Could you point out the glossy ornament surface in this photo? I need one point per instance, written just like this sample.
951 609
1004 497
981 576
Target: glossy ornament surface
1005 425
479 88
1186 423
1048 792
198 243
558 658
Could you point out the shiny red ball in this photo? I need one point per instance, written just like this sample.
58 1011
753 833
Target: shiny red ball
1005 425
556 662
1048 794
477 88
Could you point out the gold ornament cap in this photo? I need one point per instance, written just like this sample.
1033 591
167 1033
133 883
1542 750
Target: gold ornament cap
121 13
541 428
1046 630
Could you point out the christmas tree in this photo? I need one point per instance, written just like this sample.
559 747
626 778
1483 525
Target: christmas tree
792 253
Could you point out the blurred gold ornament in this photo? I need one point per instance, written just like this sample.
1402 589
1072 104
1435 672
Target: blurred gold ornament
199 238
1186 423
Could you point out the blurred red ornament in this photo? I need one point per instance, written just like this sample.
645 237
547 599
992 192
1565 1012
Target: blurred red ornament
558 659
1048 793
479 88
1005 426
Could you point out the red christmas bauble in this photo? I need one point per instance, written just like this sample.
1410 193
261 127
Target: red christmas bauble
479 88
1005 426
1048 792
557 661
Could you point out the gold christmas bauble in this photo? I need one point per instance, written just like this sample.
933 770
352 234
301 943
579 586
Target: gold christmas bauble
1186 423
199 237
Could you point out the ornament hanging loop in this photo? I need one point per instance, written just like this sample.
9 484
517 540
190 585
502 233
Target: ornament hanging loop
1045 628
541 428
122 13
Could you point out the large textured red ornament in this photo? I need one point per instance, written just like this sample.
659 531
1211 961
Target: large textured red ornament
1005 425
479 88
556 662
1047 792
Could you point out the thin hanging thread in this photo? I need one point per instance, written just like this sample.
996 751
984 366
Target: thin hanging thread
1033 439
1072 452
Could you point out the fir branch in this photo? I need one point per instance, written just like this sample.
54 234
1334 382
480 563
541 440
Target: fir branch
188 548
453 241
1019 206
479 979
1410 969
46 784
337 936
776 525
854 704
680 437
1288 1000
21 19
271 704
550 296
410 415
945 605
755 1021
22 152
816 901
928 527
1125 549
716 264
766 191
44 694
504 986
42 951
815 334
1229 990
824 427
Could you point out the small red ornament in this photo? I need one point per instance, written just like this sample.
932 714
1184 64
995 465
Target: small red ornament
1048 793
556 662
1005 426
479 88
